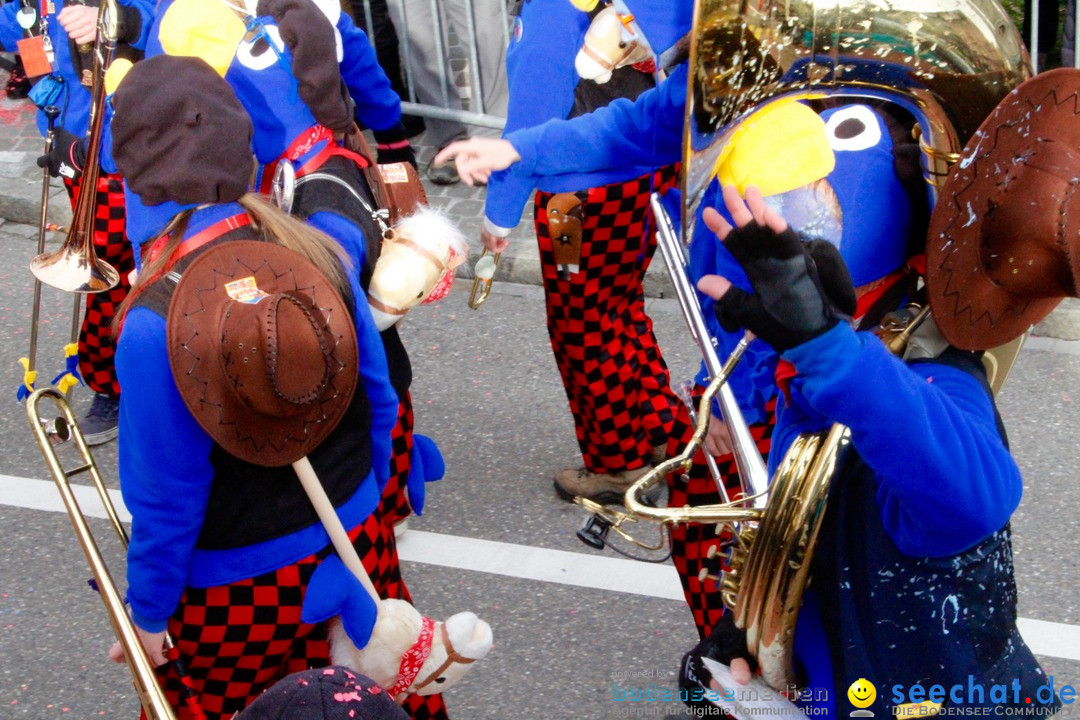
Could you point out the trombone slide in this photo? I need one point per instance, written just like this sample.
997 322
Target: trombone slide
150 693
751 467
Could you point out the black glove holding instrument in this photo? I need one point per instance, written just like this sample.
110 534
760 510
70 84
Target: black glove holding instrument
800 290
67 156
724 644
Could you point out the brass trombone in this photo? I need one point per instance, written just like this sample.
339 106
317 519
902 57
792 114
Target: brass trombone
75 267
151 695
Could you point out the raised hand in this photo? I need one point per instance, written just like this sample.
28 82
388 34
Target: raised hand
789 305
477 158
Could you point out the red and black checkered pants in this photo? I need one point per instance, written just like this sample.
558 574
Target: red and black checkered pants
610 363
690 544
394 503
238 639
96 348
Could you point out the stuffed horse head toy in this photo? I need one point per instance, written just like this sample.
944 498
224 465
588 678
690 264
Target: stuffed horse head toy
389 640
416 265
612 41
411 654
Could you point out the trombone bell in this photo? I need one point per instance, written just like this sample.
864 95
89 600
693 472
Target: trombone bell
484 272
75 267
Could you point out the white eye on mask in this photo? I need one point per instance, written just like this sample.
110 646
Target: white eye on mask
853 128
245 51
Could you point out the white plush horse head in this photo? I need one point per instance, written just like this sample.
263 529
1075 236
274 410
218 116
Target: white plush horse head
612 41
411 654
416 265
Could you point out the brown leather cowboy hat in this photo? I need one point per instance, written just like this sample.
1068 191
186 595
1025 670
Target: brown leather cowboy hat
262 349
1004 241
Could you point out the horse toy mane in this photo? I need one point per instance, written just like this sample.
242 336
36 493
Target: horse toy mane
416 265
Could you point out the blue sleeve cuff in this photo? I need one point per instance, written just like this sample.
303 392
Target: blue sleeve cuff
507 193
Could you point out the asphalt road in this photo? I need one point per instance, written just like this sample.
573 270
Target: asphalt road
494 539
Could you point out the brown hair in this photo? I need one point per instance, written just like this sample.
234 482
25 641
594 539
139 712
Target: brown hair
271 225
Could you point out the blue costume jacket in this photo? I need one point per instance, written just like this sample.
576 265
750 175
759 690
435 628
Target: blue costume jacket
914 564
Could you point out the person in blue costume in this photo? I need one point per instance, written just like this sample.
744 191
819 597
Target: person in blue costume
63 35
222 549
303 70
615 378
605 190
912 578
288 62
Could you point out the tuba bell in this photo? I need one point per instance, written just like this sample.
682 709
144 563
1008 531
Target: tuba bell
946 64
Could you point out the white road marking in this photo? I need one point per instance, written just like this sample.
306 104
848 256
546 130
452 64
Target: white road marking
524 562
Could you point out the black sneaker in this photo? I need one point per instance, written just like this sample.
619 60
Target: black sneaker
99 425
18 85
443 174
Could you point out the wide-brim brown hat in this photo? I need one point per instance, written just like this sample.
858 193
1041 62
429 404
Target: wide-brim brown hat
263 350
1004 241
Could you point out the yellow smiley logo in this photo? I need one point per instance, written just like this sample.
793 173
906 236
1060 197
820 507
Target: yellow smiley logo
862 693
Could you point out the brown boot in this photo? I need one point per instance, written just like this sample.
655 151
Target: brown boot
600 487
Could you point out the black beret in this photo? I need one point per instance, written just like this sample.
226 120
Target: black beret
179 133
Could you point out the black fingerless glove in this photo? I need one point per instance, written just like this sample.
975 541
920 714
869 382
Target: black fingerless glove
834 275
67 156
789 305
725 643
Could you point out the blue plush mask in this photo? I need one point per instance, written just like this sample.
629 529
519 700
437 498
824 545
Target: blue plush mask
875 208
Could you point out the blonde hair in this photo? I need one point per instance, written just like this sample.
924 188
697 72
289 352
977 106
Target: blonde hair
270 224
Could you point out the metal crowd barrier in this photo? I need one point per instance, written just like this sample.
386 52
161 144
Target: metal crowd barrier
476 115
1033 37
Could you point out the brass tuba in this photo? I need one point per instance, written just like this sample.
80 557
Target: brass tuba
75 267
947 63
